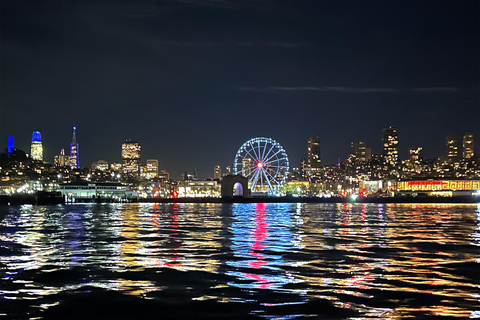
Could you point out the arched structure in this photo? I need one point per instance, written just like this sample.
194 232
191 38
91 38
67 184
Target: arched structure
231 188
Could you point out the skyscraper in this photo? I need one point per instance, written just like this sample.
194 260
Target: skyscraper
452 146
217 172
131 154
313 153
151 169
361 152
36 146
246 166
468 146
11 146
74 156
390 146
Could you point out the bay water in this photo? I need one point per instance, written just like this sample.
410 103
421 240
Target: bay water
240 261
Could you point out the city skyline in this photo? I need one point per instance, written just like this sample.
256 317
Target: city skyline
192 81
130 153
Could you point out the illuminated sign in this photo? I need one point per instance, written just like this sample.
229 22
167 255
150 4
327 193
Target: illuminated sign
429 185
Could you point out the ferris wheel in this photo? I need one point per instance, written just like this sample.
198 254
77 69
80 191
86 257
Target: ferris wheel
264 162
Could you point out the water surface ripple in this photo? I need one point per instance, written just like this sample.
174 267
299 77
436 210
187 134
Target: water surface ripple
239 261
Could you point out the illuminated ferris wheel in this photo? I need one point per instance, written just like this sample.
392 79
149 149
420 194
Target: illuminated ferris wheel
264 162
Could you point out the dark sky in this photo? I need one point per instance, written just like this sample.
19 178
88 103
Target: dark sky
192 80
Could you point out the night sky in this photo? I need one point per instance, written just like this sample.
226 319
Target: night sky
193 80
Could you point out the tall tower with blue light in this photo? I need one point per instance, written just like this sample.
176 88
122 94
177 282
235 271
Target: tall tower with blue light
11 146
36 148
74 163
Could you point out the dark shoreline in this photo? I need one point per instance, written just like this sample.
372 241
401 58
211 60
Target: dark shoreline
32 199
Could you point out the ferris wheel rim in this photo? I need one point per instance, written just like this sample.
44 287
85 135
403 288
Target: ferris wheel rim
268 163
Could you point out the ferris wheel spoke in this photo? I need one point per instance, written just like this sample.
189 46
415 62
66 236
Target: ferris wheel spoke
272 177
268 180
278 160
274 155
259 151
254 180
263 151
266 155
248 152
255 156
250 173
275 163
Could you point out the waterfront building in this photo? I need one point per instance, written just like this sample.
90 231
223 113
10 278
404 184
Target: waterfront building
452 147
199 188
89 190
74 156
217 172
313 153
151 169
131 154
390 146
468 146
36 149
439 187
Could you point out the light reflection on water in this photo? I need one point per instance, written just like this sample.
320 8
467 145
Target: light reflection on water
374 260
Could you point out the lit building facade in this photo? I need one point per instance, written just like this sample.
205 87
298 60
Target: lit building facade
313 153
452 147
151 169
36 149
246 166
440 187
101 165
468 146
74 156
131 154
390 146
362 152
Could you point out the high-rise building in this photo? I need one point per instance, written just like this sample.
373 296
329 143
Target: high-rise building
452 146
217 172
361 151
11 146
131 152
74 156
468 146
246 166
61 160
313 153
390 146
36 146
151 169
414 154
228 170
